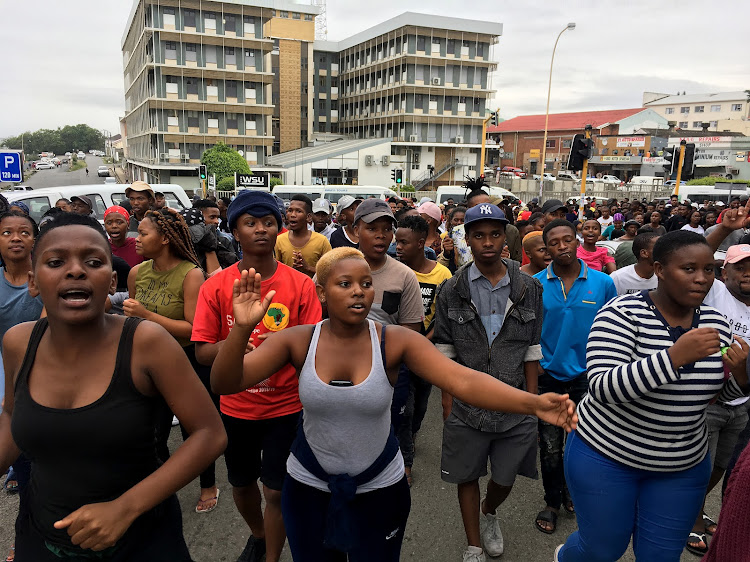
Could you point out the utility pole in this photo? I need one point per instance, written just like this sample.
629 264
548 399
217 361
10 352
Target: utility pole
683 144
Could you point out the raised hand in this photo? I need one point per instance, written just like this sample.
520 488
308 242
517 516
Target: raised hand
735 357
247 305
735 219
558 410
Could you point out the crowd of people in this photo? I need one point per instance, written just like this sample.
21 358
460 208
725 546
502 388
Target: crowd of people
592 341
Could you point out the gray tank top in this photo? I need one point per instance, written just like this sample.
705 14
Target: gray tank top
346 427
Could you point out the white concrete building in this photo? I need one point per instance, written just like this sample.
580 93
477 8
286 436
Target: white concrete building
723 111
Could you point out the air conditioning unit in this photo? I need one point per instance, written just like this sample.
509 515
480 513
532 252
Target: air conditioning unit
368 160
415 158
459 140
413 138
185 156
385 160
436 81
164 156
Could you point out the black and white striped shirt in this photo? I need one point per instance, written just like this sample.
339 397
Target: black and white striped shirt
640 410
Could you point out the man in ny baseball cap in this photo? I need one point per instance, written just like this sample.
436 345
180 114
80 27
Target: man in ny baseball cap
484 212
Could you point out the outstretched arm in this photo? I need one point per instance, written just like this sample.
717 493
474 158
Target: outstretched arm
475 388
731 220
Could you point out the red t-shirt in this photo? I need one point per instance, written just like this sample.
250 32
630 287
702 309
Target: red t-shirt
127 252
295 303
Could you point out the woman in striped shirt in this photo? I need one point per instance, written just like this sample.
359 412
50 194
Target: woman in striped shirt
637 464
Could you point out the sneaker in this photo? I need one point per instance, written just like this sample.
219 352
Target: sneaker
255 550
492 537
175 421
557 553
473 554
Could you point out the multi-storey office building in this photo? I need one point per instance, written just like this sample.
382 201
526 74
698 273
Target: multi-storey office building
422 80
201 72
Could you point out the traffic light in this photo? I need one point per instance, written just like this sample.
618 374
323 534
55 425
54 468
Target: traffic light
202 173
393 175
688 163
580 150
399 177
494 119
671 157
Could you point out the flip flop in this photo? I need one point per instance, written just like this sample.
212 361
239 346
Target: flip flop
209 509
707 522
11 555
697 550
547 516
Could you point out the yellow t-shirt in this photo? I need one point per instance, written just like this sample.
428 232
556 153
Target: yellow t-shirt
311 252
428 284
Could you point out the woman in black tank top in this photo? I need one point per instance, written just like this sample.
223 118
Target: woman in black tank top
82 393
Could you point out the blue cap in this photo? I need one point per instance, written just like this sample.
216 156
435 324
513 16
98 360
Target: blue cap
255 203
484 211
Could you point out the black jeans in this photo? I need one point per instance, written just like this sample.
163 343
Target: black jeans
552 438
742 442
414 412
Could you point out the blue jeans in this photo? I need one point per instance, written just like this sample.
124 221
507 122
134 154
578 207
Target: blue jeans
614 501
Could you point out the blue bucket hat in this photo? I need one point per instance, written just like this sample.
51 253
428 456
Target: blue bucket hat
255 203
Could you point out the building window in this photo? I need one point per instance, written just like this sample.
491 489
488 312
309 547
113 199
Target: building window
188 18
191 85
283 14
566 143
697 124
451 46
232 122
230 23
698 109
191 52
684 110
551 143
308 17
683 124
420 43
715 108
231 88
713 124
209 21
296 15
669 110
480 49
736 107
192 119
250 19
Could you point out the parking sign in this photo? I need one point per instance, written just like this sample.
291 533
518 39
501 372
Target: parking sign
10 167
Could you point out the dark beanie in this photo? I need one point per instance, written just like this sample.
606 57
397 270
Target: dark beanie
255 203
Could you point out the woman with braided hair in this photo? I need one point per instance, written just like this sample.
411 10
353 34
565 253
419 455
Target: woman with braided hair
164 289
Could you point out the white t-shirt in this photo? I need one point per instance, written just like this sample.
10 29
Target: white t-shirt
605 222
736 312
628 281
698 229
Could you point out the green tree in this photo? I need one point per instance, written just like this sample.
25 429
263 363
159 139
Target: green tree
60 140
275 182
224 161
225 184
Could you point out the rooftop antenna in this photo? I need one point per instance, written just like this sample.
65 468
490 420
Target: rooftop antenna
321 23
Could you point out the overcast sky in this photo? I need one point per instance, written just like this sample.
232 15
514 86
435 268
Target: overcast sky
62 62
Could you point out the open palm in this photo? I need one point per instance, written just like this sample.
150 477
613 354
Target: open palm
247 305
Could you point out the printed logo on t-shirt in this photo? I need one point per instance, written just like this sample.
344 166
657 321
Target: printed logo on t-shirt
277 317
428 296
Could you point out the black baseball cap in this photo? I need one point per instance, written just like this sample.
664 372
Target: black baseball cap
552 205
372 209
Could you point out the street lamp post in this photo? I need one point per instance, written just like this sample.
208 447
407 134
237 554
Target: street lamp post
570 26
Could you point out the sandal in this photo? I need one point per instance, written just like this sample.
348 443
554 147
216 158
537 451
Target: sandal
12 554
215 499
708 522
11 486
548 516
696 538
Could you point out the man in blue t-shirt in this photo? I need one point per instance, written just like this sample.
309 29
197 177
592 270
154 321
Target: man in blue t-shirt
573 294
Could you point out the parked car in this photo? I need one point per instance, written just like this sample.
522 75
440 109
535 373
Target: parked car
612 179
102 171
44 165
81 156
109 180
565 175
518 172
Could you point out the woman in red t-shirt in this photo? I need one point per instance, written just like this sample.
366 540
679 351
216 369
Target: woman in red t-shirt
116 221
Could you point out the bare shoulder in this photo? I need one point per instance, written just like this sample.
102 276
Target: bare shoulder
16 339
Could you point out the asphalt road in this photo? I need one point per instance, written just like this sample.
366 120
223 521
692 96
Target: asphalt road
434 532
58 177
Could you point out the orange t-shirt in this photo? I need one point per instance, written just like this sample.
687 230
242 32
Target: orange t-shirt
295 303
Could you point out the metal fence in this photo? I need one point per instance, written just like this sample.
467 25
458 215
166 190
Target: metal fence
526 190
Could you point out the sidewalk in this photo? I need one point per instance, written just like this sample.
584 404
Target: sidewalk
118 173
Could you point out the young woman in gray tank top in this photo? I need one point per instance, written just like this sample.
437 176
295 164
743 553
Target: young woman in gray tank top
328 506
